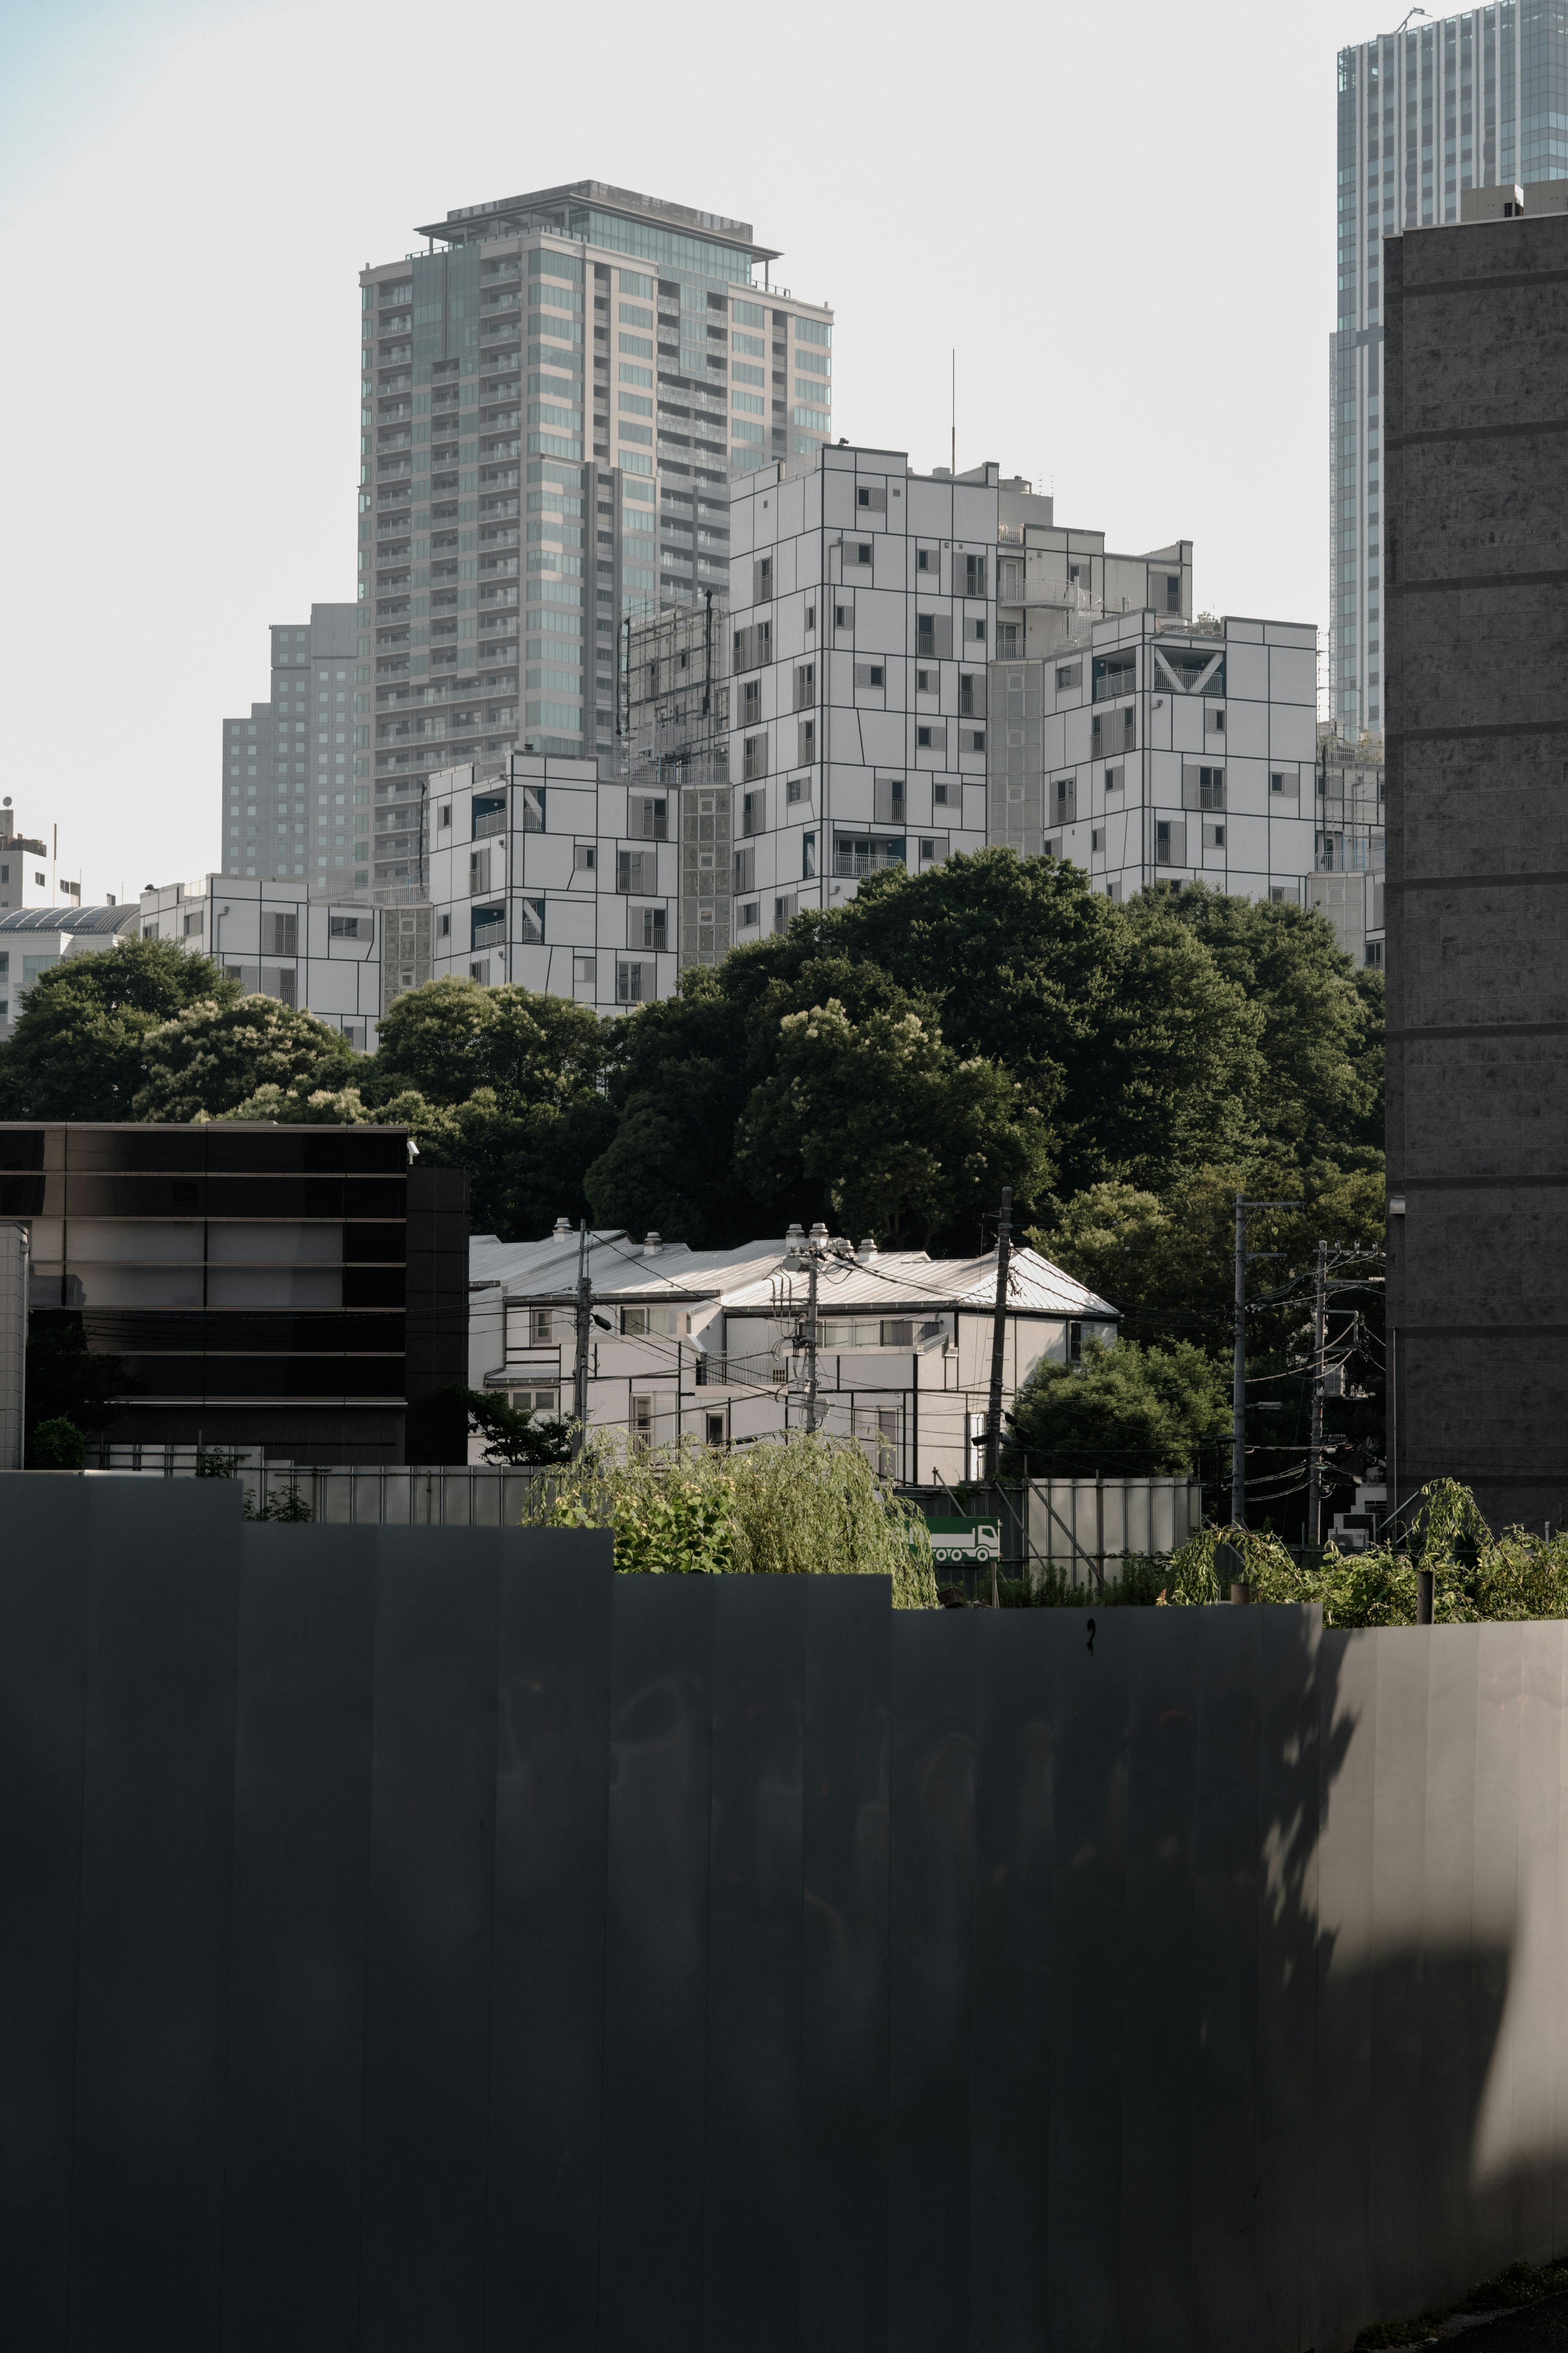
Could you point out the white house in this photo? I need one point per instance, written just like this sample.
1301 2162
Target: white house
712 1343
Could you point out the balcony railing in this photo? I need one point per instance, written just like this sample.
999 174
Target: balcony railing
1114 684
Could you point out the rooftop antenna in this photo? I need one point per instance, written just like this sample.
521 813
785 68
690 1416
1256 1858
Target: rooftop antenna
1415 12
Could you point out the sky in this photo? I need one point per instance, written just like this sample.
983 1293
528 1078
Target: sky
1121 220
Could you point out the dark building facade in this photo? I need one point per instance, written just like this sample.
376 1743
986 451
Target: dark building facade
302 1290
1476 885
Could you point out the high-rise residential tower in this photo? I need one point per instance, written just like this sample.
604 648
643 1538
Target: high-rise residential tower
290 802
555 396
1423 113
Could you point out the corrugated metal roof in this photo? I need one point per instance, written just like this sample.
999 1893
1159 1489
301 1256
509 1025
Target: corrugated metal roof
69 918
744 1277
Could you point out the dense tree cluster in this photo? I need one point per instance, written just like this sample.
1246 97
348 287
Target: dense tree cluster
886 1065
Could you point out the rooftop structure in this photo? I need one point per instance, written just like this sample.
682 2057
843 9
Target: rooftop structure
33 940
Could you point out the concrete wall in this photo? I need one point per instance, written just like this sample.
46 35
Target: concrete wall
1477 895
539 1956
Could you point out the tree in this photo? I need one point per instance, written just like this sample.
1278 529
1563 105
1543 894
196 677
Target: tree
905 1140
79 1040
452 1038
57 1445
1127 1409
67 1380
511 1434
215 1055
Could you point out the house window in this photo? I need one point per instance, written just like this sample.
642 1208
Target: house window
713 1426
755 760
640 1421
1113 777
755 811
654 927
586 968
583 858
939 794
751 702
1069 675
628 983
345 927
807 857
797 789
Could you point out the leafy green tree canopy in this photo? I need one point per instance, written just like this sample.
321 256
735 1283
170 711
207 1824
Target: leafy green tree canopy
1127 1410
451 1038
79 1041
216 1054
904 1138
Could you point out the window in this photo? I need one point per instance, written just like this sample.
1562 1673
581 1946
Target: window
1170 842
756 756
928 559
628 983
889 795
811 617
804 685
648 817
975 633
807 857
280 934
871 674
749 915
714 1430
531 917
925 681
480 972
763 580
654 927
750 702
934 636
870 502
939 794
541 1326
487 925
783 912
969 575
583 858
844 617
345 927
586 968
444 815
746 870
444 927
972 739
1069 675
1172 592
1113 780
931 737
1374 953
630 865
1063 801
1214 837
1203 788
753 812
971 694
806 743
1214 719
797 789
640 1419
195 922
1097 838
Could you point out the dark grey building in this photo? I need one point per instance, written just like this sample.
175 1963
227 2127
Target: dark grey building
301 1291
1476 890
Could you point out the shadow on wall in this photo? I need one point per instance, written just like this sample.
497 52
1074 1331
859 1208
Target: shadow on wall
543 1956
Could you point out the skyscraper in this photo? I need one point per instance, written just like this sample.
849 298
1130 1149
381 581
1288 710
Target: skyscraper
1423 113
508 529
289 805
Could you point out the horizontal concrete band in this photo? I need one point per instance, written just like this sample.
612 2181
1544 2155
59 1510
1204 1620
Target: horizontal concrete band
1471 1029
1466 734
1484 285
1474 432
1475 580
1483 1331
1468 1184
1556 874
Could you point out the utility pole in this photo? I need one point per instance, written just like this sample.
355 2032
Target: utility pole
810 1267
998 1338
1238 1376
1315 1451
584 1300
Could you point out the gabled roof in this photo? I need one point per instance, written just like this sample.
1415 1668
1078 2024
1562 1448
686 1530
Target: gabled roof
746 1277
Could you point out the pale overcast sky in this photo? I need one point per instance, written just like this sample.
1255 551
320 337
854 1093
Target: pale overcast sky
1122 217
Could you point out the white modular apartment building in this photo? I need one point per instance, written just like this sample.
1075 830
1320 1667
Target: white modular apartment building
544 872
922 664
1147 751
282 939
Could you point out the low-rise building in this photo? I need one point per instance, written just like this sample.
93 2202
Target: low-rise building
714 1344
294 1292
288 940
30 872
33 940
1347 885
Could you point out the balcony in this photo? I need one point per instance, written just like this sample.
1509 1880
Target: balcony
1115 684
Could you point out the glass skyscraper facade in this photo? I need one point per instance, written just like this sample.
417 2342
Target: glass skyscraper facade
555 397
1423 113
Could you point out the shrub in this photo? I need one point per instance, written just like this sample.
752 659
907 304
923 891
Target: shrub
58 1445
801 1506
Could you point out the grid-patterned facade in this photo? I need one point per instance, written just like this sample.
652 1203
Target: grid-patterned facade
1478 100
290 802
554 400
